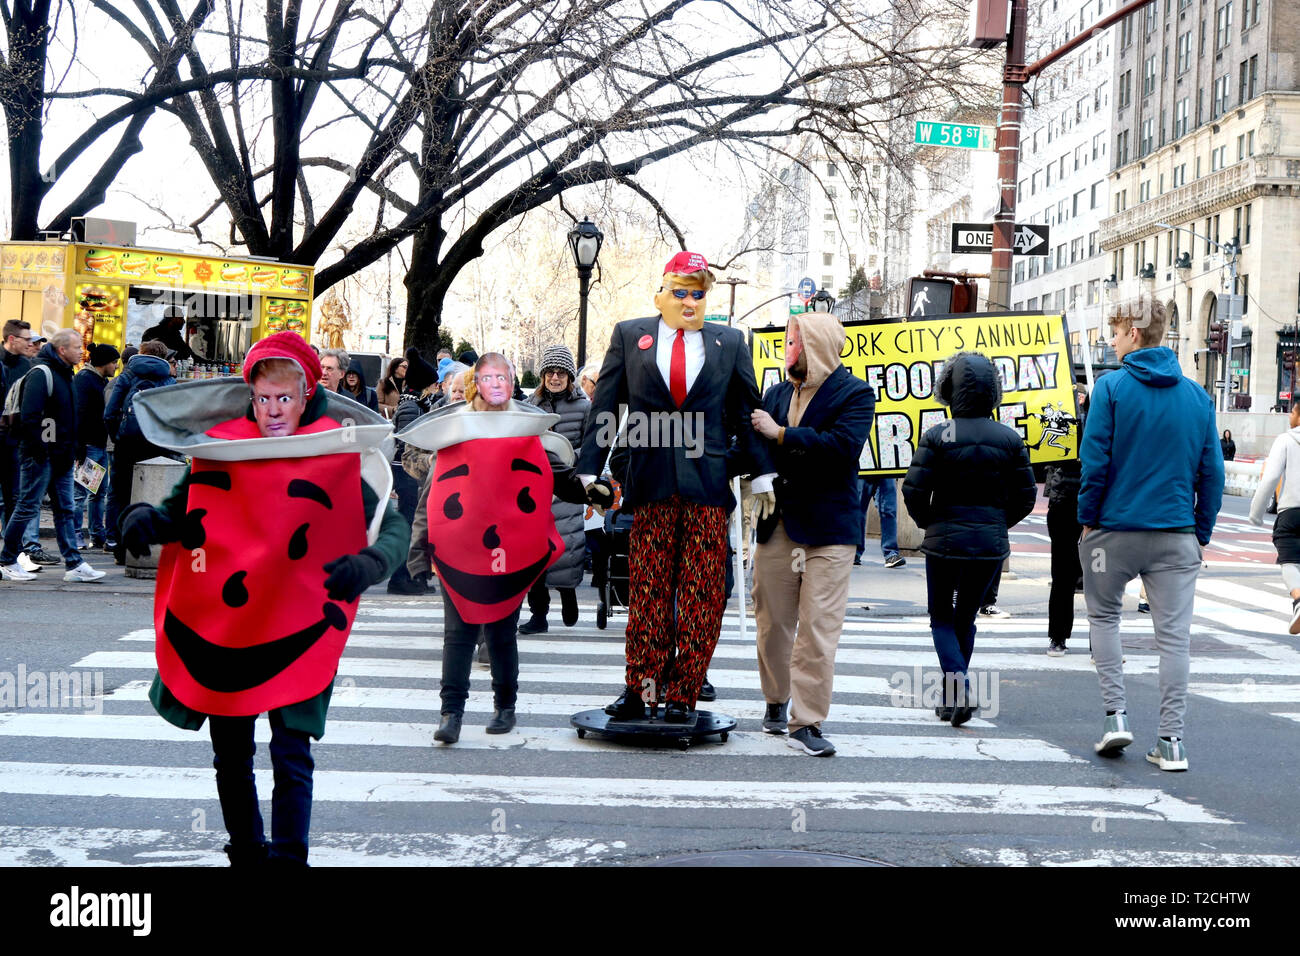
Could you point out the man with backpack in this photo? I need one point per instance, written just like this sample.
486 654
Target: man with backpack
48 440
147 369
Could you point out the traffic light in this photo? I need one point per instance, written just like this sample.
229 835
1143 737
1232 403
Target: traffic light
1217 339
965 297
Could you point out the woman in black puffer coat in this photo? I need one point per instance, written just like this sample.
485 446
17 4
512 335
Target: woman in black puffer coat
559 394
969 482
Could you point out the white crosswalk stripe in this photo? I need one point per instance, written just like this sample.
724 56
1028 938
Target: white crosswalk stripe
378 747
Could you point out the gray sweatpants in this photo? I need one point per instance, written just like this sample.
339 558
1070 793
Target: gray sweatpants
1168 563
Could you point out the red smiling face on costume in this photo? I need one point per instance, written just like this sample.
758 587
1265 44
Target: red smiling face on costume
242 619
491 532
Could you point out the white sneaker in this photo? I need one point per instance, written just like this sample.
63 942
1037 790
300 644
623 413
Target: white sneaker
84 572
27 564
12 572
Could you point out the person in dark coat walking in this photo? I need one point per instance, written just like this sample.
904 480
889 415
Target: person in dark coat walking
48 448
354 386
147 369
1228 445
411 404
92 437
560 395
970 481
1063 528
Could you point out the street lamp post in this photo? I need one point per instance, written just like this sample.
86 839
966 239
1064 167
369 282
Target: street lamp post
584 243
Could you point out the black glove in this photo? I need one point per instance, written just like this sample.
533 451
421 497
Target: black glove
143 525
352 574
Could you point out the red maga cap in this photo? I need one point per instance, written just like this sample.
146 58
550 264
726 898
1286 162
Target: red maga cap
285 345
684 263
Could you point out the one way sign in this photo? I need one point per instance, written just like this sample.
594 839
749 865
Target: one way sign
1028 240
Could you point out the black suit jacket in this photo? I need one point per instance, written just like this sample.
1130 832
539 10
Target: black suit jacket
817 486
668 457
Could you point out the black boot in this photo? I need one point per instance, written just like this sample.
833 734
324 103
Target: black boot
246 854
627 707
707 691
536 624
676 712
569 606
502 722
448 731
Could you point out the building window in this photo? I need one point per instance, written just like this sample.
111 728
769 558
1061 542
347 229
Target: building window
828 282
1092 244
829 236
830 192
1020 271
1223 26
1149 75
1184 62
1033 184
1144 191
1064 166
1094 196
1200 106
1125 88
1032 305
1121 149
1180 118
831 169
1221 89
1241 224
1076 250
1020 190
1126 33
1094 292
1254 76
1078 202
1218 158
1147 142
829 215
1060 256
1180 175
828 258
1098 146
1061 214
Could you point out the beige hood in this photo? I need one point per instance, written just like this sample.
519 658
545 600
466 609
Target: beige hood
823 339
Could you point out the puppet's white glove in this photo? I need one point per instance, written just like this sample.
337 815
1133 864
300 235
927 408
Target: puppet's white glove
764 504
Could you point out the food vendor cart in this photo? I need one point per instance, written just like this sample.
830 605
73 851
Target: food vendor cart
112 294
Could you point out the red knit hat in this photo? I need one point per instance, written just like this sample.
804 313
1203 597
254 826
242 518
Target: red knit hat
285 345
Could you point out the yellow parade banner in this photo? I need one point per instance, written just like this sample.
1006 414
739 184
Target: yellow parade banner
901 361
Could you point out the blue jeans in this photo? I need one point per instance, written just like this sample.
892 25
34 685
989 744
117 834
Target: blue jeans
98 501
36 477
233 749
955 589
882 489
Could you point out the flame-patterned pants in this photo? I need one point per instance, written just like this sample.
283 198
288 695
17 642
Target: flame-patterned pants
677 570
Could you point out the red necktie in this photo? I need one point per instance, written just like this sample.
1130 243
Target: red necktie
677 369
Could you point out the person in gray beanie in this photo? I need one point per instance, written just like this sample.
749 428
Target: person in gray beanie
559 394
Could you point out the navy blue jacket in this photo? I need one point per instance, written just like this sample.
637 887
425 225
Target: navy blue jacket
49 423
88 393
817 485
148 367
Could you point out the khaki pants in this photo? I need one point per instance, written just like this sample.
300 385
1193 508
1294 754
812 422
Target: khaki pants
808 588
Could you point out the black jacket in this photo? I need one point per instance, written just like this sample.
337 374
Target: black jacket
721 400
88 393
12 368
367 397
970 478
49 423
1229 448
817 486
172 338
574 410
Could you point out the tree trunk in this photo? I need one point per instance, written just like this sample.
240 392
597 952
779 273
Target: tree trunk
23 98
426 288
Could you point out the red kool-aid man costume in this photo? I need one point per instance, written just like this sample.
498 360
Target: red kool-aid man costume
676 366
268 543
489 534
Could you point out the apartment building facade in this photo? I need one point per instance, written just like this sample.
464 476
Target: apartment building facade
1064 162
1206 154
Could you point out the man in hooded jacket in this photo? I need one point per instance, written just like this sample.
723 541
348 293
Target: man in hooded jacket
814 425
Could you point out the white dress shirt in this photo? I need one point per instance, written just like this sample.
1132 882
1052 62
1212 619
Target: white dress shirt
664 354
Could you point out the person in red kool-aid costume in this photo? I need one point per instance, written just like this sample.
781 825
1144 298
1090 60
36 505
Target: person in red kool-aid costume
676 367
484 525
270 539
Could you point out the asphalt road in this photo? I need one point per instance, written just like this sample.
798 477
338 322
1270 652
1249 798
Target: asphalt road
107 781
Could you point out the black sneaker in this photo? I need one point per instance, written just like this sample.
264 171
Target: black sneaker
708 692
943 713
534 625
41 556
1295 616
810 740
895 560
776 720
